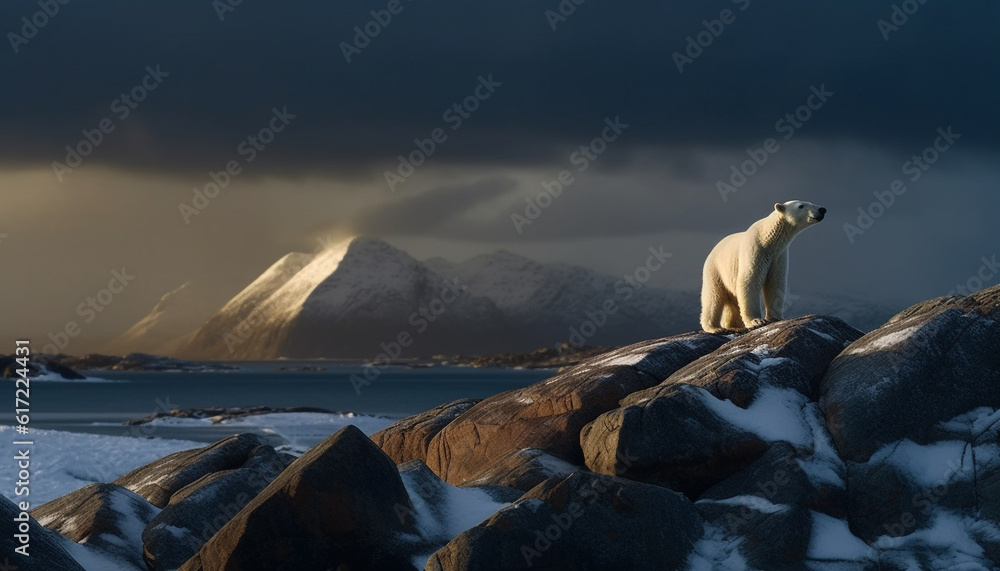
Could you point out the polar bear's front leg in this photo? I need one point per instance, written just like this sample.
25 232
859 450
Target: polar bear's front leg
776 288
749 290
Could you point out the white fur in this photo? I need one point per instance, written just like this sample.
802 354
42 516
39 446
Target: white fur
745 279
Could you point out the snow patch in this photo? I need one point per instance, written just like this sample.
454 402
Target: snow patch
63 462
457 510
717 551
775 415
951 538
927 465
832 540
755 503
889 340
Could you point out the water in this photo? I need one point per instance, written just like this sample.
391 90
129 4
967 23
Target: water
100 408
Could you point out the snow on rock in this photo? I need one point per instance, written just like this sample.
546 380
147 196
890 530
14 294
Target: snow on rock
441 511
717 551
775 415
832 540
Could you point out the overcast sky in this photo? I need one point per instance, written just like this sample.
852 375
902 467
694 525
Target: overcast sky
207 83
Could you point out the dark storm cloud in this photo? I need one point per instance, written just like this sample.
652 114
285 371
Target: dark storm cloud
606 59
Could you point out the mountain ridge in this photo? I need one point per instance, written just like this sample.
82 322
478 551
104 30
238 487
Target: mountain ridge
347 299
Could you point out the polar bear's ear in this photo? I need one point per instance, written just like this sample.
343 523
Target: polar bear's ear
779 207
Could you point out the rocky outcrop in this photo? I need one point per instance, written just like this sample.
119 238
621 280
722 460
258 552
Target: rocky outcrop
799 445
549 415
523 470
929 364
37 365
693 430
409 438
46 550
217 414
159 480
197 511
583 521
108 518
336 505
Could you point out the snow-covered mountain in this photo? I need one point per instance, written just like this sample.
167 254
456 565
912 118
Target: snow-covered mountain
354 297
347 301
554 303
168 327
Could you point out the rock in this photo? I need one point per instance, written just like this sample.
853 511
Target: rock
583 521
792 354
47 550
658 358
339 504
197 511
770 536
549 415
672 435
37 365
674 440
107 518
906 487
776 477
146 362
409 438
524 469
766 507
218 414
158 480
938 357
883 502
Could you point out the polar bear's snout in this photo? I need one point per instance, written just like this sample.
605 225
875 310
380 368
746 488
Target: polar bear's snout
819 216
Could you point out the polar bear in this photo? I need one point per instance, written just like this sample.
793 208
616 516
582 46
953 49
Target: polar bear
749 267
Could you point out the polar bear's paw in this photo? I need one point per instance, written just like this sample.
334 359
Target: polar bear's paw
754 324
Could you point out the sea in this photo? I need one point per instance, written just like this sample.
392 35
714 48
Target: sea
106 399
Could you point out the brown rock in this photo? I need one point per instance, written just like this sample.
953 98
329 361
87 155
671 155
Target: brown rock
336 507
109 519
158 480
524 469
409 438
549 415
668 435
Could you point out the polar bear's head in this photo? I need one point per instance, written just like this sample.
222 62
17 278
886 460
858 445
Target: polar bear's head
800 213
